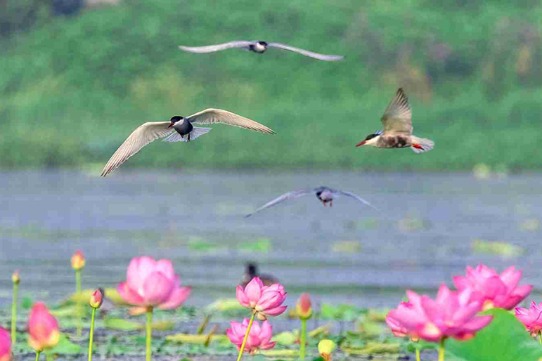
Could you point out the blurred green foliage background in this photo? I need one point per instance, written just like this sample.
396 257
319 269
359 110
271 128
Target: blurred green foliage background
74 86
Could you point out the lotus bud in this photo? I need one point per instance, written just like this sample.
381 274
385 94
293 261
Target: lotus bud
325 348
304 306
78 260
16 278
97 298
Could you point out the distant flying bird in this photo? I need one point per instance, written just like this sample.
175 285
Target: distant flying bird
251 271
258 47
177 129
324 194
397 133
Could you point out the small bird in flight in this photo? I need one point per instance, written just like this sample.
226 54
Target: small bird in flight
258 47
324 194
397 133
177 129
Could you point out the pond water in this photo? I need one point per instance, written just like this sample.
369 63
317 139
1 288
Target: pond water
424 233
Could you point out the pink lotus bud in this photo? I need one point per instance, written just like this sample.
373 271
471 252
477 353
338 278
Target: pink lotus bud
151 283
303 307
492 289
15 278
264 300
531 317
5 345
451 314
259 337
78 260
97 298
43 329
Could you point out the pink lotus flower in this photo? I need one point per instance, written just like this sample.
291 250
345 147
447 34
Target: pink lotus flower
531 317
5 345
43 329
264 300
451 314
396 327
259 337
151 283
492 289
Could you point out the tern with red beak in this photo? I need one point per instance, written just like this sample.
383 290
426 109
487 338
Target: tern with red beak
324 194
177 129
397 133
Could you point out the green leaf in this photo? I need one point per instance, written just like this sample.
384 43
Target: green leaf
504 339
65 347
286 338
262 245
120 324
26 303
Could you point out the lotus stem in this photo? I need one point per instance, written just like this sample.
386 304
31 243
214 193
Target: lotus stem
91 334
148 339
303 339
38 355
242 349
418 354
78 308
14 314
540 337
441 350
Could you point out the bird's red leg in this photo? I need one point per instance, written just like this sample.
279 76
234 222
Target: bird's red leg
417 146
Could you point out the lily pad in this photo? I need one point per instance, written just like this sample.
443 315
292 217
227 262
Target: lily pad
260 245
495 247
195 339
121 324
65 347
504 339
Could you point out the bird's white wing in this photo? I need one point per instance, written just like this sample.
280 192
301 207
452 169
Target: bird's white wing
398 116
217 47
211 116
282 198
143 135
355 196
311 54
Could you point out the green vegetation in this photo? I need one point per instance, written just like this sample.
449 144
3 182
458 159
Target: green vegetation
73 88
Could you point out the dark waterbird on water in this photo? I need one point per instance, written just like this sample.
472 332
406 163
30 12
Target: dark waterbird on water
177 129
258 46
251 271
397 133
324 194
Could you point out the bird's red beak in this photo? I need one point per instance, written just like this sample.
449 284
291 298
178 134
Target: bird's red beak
169 126
361 143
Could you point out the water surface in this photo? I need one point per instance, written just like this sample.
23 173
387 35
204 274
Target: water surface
349 253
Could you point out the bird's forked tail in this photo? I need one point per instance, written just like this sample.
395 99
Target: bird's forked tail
420 145
195 133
